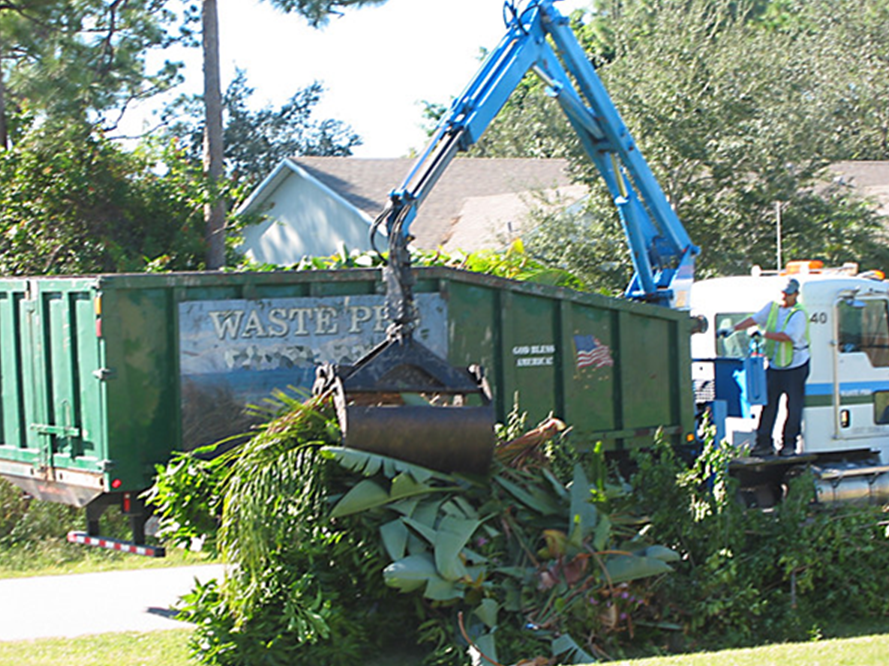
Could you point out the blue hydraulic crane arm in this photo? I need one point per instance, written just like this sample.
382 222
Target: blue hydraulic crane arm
662 252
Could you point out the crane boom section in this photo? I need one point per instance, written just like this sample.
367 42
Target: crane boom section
540 39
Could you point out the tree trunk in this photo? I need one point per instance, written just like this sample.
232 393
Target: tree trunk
214 211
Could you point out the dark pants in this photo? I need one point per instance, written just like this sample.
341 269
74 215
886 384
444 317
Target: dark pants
780 382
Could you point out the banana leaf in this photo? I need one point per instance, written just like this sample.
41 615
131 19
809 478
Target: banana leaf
569 652
370 464
415 572
583 513
487 611
363 496
452 535
395 536
623 568
484 645
662 553
537 502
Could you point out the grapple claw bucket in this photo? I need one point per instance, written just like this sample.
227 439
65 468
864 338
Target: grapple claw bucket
402 400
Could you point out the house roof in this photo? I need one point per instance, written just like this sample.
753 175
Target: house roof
483 202
870 178
474 202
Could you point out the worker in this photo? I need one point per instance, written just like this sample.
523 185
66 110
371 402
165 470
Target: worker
785 328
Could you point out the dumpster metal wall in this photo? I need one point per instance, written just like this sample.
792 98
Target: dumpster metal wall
103 377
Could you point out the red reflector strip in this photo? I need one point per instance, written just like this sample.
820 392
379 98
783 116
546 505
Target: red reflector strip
116 544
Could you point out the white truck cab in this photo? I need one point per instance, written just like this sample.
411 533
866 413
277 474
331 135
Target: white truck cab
846 414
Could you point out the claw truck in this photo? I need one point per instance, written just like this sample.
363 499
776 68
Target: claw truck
104 376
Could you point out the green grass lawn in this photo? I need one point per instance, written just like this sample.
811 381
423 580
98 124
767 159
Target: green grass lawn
53 557
170 649
858 651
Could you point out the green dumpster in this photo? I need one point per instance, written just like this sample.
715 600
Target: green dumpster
105 376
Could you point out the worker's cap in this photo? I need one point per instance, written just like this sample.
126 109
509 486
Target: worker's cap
792 287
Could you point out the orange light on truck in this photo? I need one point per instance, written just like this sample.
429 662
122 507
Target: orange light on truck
810 266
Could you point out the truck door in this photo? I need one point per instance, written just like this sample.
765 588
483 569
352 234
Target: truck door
59 352
860 400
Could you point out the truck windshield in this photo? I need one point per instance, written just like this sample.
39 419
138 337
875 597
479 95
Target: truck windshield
864 327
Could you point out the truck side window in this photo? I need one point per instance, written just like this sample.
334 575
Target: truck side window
864 327
736 345
881 407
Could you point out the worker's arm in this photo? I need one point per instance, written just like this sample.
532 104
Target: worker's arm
778 336
744 324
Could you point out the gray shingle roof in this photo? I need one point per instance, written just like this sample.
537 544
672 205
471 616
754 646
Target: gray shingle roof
366 184
871 178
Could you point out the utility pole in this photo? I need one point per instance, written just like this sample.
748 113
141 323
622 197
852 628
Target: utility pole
778 206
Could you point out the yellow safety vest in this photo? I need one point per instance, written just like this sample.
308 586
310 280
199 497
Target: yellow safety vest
780 354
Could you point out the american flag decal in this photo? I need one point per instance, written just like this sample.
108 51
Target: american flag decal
591 352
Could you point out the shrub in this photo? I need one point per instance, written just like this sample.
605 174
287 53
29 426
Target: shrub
337 553
749 576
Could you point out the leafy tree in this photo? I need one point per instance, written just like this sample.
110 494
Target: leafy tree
850 40
736 112
257 140
73 202
78 59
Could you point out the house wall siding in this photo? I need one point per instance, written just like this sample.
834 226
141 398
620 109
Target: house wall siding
304 221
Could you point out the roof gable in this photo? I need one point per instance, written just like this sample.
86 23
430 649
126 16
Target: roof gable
367 183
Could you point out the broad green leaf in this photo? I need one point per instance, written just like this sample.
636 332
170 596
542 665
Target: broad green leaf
567 649
410 573
662 553
439 589
472 556
366 494
354 460
406 506
423 529
512 597
556 485
404 486
427 511
519 573
486 645
477 572
452 535
622 568
369 464
486 611
582 510
458 506
417 545
602 533
541 504
390 469
394 535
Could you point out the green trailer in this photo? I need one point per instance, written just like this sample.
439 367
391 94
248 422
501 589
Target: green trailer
103 377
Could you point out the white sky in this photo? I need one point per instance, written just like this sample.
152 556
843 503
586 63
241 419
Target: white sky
376 63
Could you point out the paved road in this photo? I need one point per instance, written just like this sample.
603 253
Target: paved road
95 603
